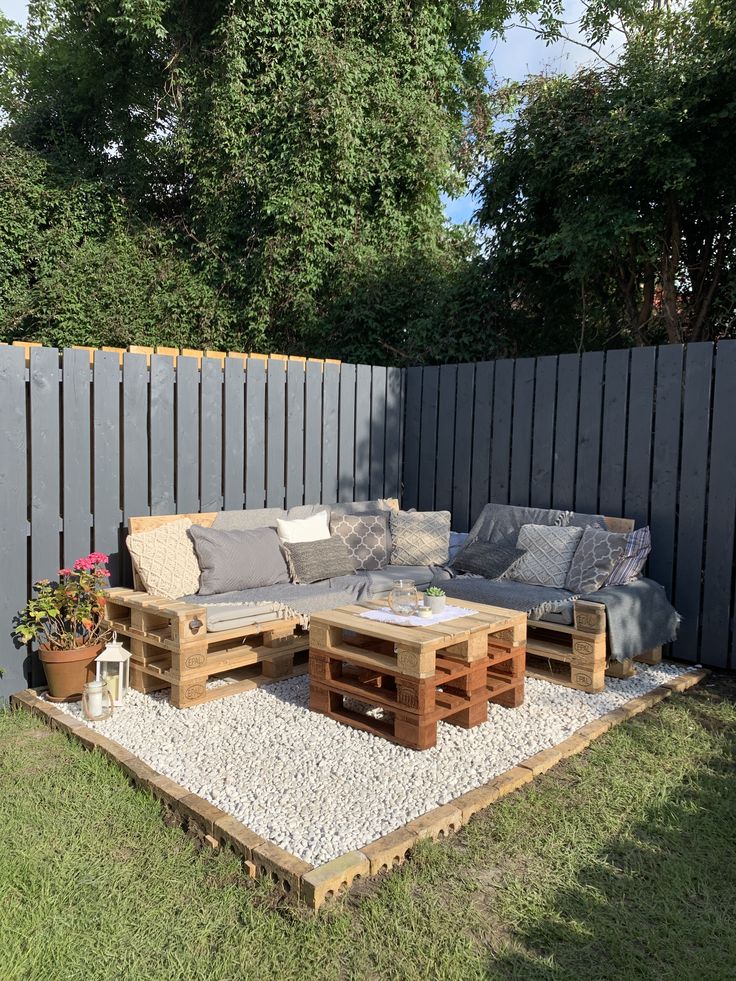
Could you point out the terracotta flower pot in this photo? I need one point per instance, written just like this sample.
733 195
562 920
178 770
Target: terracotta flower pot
68 671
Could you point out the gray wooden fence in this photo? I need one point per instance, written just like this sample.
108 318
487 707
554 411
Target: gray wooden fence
85 446
648 433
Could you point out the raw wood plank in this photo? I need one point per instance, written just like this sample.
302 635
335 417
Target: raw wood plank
719 602
666 464
445 438
394 427
544 432
589 433
313 434
77 488
463 448
255 434
566 431
613 440
295 434
503 387
521 439
346 449
362 432
14 579
378 431
412 433
276 434
210 481
187 435
692 497
106 456
330 432
481 454
162 435
639 442
45 463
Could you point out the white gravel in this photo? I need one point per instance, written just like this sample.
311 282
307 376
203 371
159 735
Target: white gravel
319 788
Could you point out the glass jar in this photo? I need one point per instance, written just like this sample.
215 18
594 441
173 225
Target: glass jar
404 598
96 701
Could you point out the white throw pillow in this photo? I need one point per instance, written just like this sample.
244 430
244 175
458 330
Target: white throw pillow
165 559
313 529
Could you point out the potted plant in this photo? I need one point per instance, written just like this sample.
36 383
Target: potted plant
65 619
435 598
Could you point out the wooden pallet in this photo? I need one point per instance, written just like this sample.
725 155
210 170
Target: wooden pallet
576 655
399 682
171 648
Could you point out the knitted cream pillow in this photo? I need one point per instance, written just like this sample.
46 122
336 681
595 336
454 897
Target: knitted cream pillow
165 559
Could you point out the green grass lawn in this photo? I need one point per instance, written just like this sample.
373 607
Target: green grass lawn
620 863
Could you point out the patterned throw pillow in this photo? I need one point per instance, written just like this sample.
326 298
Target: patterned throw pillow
638 547
420 537
323 559
549 554
596 557
165 559
366 537
487 559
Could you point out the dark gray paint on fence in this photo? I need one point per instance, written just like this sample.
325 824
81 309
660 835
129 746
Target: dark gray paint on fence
648 433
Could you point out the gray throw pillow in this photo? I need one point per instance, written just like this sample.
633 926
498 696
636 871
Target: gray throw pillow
366 537
420 537
597 555
233 560
487 559
549 553
327 558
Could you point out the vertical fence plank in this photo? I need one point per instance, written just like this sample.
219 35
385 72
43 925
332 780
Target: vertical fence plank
445 438
295 434
665 464
613 439
330 411
544 432
108 537
463 447
14 579
313 434
589 433
503 393
346 449
45 463
233 451
76 450
566 431
693 485
362 432
639 441
412 432
276 438
255 434
428 438
394 425
378 431
135 439
482 436
718 573
162 434
210 453
187 435
521 438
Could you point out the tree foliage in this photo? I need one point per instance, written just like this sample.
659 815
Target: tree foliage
610 199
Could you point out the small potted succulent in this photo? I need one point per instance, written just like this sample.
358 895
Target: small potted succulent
65 619
435 598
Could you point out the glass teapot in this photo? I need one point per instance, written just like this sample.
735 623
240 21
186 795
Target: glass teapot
404 598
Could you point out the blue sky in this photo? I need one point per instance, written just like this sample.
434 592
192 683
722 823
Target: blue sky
518 54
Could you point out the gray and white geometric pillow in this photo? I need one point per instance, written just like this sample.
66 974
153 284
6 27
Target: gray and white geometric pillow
596 557
366 537
549 554
420 537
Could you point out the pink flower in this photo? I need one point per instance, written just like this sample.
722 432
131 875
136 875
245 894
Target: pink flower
83 565
99 558
66 572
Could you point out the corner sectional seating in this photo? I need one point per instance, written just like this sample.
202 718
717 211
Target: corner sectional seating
206 582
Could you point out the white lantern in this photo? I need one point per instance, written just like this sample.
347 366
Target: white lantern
112 666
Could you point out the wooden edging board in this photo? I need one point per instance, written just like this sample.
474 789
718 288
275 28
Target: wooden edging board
300 880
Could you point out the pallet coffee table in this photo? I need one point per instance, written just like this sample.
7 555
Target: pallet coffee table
417 676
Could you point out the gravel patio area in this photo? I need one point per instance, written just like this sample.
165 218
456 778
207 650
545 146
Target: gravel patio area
318 788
